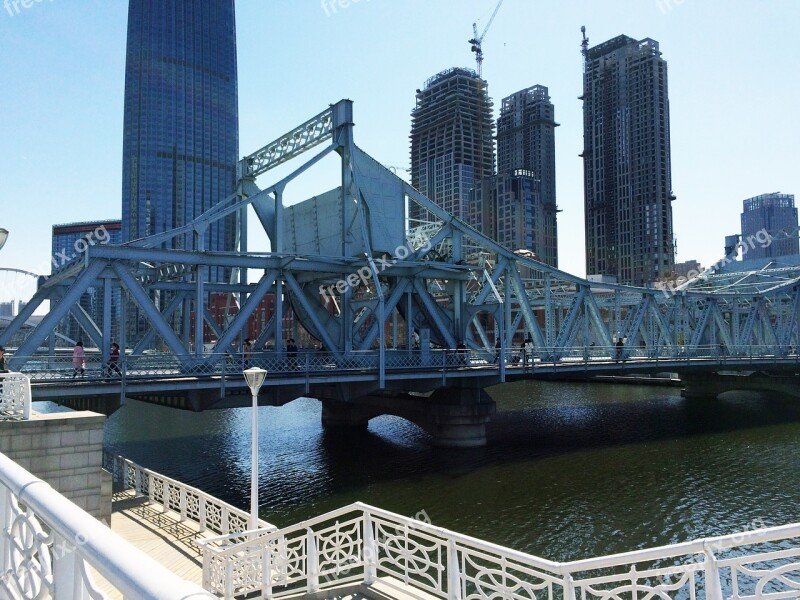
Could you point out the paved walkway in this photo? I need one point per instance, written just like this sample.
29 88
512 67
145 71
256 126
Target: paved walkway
160 535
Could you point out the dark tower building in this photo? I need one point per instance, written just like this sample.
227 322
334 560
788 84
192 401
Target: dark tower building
181 131
452 140
626 157
526 149
774 213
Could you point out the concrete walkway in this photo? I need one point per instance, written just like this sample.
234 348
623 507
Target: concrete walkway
160 535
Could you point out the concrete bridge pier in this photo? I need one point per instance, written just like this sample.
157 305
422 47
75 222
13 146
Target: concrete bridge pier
711 385
455 417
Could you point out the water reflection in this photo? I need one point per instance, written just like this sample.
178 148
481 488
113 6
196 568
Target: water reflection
571 470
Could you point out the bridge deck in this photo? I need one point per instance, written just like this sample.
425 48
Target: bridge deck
161 535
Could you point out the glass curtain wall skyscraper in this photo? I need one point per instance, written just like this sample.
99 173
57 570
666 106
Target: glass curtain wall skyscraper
626 157
181 130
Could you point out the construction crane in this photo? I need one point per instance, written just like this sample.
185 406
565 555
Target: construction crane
476 41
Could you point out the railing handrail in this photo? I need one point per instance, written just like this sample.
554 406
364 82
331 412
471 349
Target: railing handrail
124 566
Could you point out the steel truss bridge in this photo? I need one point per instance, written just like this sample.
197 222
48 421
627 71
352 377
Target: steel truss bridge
389 284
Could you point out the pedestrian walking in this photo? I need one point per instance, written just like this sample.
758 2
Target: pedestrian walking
112 368
78 360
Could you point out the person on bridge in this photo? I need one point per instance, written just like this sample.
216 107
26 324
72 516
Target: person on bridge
3 360
247 352
462 352
112 368
498 348
291 353
619 345
78 360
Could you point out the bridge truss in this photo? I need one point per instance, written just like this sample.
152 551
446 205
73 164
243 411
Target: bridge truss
359 274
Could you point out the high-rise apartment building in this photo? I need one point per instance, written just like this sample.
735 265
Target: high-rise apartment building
526 137
626 157
508 208
181 132
774 213
526 149
452 140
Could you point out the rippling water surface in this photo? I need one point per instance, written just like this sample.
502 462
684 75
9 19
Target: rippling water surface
570 471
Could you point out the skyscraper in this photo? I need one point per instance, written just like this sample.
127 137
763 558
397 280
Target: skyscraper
526 137
526 150
452 140
181 131
774 213
626 157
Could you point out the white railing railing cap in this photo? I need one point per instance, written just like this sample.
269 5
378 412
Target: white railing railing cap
130 570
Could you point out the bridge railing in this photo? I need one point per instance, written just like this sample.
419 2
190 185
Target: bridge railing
361 544
15 396
49 548
205 511
154 366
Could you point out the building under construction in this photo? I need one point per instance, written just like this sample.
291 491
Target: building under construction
452 140
627 167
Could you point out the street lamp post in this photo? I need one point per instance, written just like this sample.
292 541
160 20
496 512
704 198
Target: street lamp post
255 379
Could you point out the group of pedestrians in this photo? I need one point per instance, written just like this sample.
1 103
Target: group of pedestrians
79 361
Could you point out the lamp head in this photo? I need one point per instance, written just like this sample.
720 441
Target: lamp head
255 377
3 237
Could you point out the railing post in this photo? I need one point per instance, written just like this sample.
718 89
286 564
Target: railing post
713 583
137 481
266 572
201 514
165 496
5 519
312 563
453 572
67 579
224 362
228 586
370 552
569 587
183 504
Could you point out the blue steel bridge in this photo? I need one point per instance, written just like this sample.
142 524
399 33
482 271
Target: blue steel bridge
390 285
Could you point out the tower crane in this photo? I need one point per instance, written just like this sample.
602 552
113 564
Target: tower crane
476 40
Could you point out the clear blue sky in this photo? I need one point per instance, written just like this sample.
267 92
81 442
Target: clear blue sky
733 79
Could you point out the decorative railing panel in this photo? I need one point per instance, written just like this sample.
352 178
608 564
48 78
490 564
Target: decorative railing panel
361 544
15 396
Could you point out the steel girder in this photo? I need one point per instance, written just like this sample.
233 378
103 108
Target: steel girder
444 276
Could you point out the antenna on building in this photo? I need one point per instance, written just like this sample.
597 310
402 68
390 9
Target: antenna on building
476 41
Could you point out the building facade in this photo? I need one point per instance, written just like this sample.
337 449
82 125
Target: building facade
508 207
775 213
181 131
627 166
452 140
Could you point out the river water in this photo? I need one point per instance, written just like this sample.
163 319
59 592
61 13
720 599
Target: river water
570 470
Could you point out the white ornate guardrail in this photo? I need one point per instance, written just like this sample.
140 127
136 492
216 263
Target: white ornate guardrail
15 396
360 544
206 511
47 545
